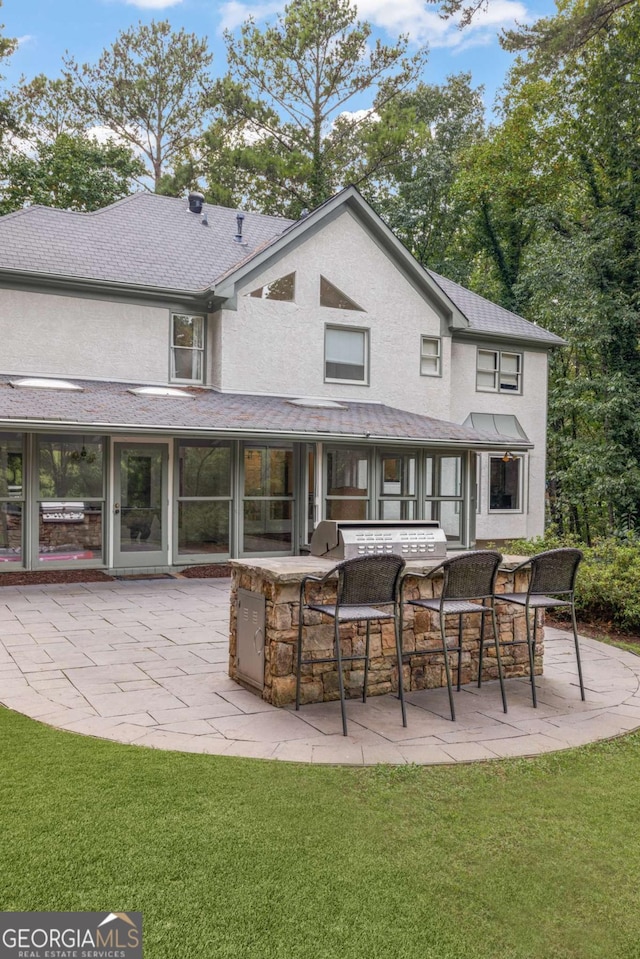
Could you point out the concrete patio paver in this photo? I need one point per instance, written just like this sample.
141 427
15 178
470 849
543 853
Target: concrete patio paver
144 662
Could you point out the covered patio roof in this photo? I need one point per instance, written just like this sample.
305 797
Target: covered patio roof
112 407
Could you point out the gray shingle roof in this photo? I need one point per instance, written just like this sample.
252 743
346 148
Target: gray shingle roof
487 317
152 241
146 240
103 406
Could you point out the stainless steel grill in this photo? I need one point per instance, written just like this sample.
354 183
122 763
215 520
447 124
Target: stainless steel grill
345 539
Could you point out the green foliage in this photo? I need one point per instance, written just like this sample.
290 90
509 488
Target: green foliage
151 88
416 193
71 172
554 233
7 118
290 86
608 582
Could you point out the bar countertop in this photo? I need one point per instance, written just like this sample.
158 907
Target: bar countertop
291 569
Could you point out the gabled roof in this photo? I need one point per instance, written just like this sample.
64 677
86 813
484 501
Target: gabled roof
154 244
102 406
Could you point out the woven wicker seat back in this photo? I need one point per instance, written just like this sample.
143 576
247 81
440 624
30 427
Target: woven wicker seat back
554 571
369 580
471 575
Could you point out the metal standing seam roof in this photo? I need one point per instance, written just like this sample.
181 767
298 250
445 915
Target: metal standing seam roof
151 241
106 406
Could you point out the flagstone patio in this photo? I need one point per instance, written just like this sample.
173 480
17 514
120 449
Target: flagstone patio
145 662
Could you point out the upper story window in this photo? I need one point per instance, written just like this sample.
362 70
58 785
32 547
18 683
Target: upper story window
331 296
346 355
187 348
430 356
499 372
284 288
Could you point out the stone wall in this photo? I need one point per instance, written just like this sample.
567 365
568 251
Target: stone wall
424 661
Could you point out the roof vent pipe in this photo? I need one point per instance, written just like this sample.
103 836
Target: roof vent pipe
196 201
239 220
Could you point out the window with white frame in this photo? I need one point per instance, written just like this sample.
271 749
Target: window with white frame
499 371
505 483
187 348
346 354
430 356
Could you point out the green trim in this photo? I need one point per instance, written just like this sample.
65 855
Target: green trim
86 287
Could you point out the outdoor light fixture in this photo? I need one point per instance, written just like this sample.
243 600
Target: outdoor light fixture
508 457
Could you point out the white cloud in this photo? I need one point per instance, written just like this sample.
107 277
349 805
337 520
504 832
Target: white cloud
234 12
103 135
27 38
152 4
414 17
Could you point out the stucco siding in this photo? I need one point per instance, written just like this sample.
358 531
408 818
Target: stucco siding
530 407
272 346
57 335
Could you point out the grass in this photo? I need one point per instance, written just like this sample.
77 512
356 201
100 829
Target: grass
535 859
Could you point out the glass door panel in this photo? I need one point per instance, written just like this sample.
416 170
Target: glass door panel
267 513
140 509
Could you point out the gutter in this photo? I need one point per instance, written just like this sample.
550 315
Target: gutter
60 281
312 435
493 336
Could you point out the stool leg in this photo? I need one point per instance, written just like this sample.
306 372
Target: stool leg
496 639
340 676
398 631
446 665
575 639
459 652
366 663
299 658
481 652
531 648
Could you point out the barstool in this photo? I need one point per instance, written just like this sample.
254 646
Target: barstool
470 576
364 584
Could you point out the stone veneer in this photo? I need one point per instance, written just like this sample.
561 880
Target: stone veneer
278 580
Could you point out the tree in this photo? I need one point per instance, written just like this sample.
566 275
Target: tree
7 121
552 38
72 172
45 108
151 89
503 182
416 194
578 269
287 86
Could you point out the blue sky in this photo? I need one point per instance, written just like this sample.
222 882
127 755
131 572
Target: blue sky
46 28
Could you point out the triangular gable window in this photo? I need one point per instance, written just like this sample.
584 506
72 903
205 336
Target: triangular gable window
284 288
331 296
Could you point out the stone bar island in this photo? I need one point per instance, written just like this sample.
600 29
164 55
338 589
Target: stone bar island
265 596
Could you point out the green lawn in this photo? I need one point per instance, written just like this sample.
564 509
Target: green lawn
252 860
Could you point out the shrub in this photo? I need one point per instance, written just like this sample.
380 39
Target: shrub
608 583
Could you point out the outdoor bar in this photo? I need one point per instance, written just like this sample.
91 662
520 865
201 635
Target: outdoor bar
265 596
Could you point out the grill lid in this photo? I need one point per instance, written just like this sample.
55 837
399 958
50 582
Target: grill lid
344 539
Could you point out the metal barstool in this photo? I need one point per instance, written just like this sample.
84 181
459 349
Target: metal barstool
364 584
553 575
467 577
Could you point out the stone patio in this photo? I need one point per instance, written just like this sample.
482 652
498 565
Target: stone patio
145 662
